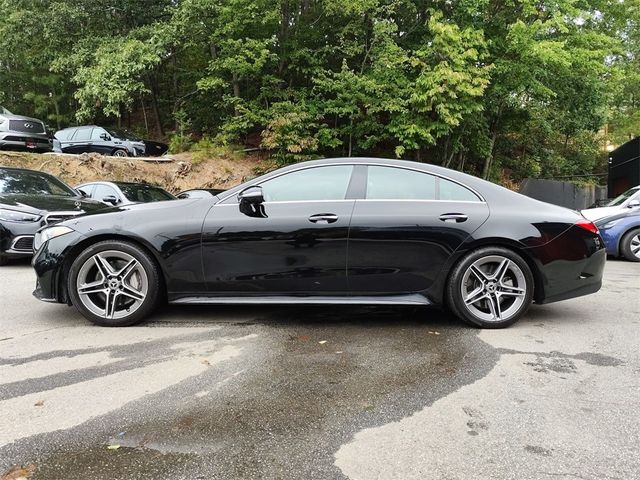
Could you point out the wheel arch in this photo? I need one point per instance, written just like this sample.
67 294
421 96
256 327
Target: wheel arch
87 242
515 247
622 235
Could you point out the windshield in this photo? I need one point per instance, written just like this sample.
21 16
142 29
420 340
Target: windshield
123 134
32 183
620 199
144 193
4 111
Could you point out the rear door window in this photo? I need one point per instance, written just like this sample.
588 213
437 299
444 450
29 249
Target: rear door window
82 134
389 183
394 183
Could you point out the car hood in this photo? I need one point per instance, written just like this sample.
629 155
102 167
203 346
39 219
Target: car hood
48 203
20 117
600 212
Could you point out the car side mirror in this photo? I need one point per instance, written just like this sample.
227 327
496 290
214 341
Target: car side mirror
82 192
633 204
105 137
251 195
110 199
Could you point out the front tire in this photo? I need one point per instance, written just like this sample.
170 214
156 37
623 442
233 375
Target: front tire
114 283
630 245
120 153
491 287
3 260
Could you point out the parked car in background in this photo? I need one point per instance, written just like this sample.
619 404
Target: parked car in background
18 132
106 141
200 193
123 193
30 200
337 231
155 149
621 234
621 204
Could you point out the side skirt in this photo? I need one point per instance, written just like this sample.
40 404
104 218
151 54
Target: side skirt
411 299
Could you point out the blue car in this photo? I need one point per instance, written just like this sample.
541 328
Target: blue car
621 234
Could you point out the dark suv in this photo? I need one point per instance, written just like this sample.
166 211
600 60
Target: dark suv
23 133
106 141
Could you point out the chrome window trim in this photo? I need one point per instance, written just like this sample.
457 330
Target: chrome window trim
373 164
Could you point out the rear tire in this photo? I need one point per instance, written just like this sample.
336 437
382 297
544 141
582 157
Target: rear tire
630 245
114 283
491 287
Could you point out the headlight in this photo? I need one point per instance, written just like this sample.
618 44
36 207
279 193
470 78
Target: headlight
611 223
48 233
17 216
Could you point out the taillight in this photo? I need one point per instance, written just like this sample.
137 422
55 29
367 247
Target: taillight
587 225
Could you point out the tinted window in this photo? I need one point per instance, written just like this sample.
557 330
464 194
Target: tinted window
123 134
196 194
453 191
144 193
83 134
32 183
95 134
321 183
103 191
388 183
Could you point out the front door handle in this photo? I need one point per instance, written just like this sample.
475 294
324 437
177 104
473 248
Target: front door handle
454 217
323 218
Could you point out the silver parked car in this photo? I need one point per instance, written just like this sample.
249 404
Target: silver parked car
18 132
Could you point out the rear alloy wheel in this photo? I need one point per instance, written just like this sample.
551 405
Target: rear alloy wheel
120 153
630 245
490 288
114 283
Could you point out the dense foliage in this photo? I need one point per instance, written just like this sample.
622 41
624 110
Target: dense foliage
493 87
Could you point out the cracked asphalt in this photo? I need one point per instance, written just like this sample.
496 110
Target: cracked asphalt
322 392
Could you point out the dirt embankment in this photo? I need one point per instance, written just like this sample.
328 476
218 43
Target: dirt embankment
174 176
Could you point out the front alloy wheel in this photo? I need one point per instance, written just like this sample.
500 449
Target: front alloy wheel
491 288
114 283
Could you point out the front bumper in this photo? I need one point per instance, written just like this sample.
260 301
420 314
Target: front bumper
49 265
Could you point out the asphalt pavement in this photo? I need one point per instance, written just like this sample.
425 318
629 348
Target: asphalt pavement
321 392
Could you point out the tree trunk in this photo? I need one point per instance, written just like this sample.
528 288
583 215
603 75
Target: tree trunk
486 169
156 110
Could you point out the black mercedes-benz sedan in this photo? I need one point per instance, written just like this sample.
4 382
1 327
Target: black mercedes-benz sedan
338 231
30 200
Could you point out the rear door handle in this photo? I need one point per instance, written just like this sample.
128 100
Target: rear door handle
454 217
323 218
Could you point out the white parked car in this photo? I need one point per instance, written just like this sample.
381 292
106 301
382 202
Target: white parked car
627 200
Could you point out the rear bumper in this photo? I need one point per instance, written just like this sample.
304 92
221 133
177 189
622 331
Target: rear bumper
25 141
570 266
576 282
